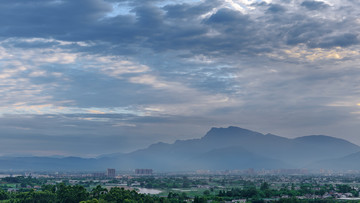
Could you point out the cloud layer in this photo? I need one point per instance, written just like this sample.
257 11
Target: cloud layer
117 75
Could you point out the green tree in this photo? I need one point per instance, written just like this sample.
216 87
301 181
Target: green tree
50 188
34 197
200 200
343 188
71 194
98 191
264 186
3 195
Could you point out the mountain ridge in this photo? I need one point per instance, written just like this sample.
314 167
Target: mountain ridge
297 152
218 149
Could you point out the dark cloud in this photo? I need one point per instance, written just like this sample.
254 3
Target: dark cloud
30 44
148 17
314 5
304 31
343 40
171 27
49 18
276 8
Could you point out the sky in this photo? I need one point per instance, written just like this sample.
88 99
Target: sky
91 77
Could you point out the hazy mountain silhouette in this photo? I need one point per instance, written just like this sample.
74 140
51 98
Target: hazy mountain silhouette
349 162
219 149
233 147
236 158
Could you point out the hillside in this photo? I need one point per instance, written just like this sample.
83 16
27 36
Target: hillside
233 147
219 149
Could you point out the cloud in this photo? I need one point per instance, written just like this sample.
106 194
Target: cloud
314 5
152 26
276 8
137 70
343 40
302 53
226 16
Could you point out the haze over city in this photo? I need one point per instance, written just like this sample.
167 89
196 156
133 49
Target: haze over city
91 77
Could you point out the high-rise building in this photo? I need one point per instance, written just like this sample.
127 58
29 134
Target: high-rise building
110 173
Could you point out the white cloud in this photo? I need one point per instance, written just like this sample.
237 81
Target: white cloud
114 66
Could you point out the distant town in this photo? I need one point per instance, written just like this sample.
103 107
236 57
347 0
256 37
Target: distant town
146 185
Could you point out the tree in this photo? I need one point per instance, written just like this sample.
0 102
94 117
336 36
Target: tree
72 194
343 188
250 192
98 191
264 186
3 195
36 197
50 188
200 200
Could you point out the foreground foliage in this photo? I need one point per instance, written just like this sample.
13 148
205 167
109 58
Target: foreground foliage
62 193
210 189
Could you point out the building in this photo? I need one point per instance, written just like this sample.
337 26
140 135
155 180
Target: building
98 175
110 173
143 171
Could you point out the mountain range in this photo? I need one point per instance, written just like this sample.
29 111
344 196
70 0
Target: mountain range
220 149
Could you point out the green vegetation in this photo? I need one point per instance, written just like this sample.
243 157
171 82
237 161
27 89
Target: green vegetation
179 189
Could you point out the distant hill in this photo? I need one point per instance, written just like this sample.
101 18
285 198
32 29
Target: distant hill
219 149
236 158
349 162
233 147
321 147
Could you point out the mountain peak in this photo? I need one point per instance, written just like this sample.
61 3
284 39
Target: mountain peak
230 131
320 139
